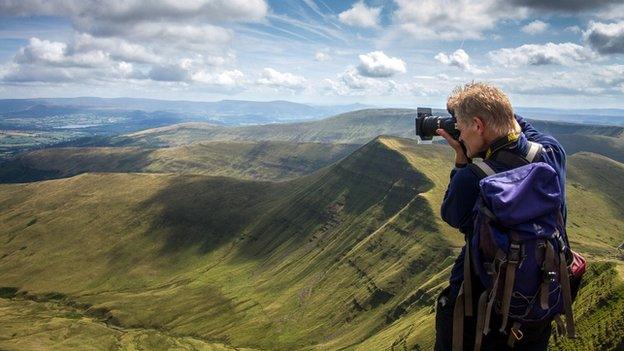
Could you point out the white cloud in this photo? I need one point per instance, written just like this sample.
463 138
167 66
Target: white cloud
352 83
54 74
110 36
273 78
377 64
605 38
42 50
360 15
532 54
352 79
195 71
460 59
597 80
118 49
45 52
453 20
164 25
229 80
321 56
84 62
535 27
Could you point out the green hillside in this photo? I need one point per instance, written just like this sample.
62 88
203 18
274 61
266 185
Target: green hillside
357 127
348 257
594 190
610 147
248 160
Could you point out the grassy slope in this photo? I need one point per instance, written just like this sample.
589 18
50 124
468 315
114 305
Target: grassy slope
47 325
150 256
256 263
357 127
246 160
594 190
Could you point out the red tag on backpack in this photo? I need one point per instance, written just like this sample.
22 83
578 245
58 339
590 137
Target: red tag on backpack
578 265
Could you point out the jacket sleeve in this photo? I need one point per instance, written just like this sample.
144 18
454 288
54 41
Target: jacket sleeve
529 131
459 199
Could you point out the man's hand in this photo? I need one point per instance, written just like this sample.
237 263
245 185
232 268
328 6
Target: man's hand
460 154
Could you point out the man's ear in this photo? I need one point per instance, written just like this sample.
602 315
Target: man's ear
478 122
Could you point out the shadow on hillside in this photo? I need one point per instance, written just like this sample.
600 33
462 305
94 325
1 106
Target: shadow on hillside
56 163
206 212
354 197
357 194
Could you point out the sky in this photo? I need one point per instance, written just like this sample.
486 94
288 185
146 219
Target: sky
401 53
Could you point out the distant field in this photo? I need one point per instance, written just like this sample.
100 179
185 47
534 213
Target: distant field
14 141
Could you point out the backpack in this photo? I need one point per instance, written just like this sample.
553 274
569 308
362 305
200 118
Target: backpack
519 250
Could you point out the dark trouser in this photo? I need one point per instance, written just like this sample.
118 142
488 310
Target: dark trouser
535 336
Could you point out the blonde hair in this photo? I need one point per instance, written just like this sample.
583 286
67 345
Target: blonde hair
487 102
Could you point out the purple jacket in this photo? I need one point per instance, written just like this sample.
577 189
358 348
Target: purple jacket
463 190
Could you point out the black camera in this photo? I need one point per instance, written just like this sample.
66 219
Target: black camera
427 124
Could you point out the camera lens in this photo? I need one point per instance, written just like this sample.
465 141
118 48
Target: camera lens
426 126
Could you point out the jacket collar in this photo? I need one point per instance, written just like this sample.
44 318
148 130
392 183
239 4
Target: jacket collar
509 141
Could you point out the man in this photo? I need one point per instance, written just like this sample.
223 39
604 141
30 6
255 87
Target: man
487 125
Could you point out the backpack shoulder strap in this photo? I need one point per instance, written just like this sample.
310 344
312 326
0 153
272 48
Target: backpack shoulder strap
481 169
509 159
535 149
514 160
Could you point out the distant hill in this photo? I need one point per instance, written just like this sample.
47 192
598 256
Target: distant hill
262 111
30 124
269 160
357 127
231 150
598 144
348 257
601 116
352 127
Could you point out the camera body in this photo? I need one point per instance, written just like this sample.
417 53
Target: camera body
427 124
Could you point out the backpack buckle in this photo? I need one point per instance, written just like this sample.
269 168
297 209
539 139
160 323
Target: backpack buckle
515 334
514 253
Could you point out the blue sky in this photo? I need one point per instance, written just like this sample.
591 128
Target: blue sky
562 54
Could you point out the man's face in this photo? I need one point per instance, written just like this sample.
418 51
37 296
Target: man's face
471 134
